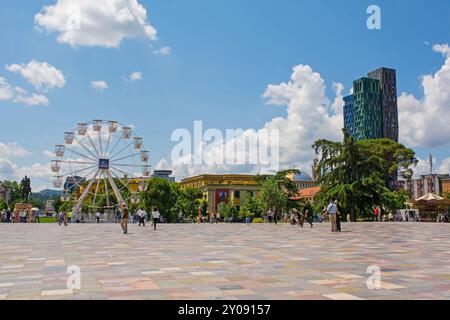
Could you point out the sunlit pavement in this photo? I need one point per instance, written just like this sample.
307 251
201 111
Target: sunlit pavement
225 261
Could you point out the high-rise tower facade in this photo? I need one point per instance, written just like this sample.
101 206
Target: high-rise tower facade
389 106
371 112
366 109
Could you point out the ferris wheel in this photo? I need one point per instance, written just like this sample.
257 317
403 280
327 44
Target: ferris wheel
100 165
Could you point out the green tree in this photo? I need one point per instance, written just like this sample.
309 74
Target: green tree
394 200
189 200
397 158
252 207
15 192
229 210
3 205
160 194
272 195
358 174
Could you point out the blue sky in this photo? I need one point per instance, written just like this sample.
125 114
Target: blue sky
224 55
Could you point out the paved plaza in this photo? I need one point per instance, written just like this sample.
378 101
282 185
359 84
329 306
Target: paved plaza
225 261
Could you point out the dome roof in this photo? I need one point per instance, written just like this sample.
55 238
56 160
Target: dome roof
302 176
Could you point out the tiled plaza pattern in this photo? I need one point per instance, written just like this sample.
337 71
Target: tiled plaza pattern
225 261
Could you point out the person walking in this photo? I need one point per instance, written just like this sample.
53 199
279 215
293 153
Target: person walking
275 215
8 216
117 216
217 217
155 216
23 215
97 216
200 215
376 214
65 218
142 215
338 217
293 217
307 216
180 216
270 215
298 217
36 217
124 218
69 216
332 212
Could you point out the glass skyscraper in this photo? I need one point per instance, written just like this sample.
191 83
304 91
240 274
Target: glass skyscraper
348 113
389 107
371 111
366 109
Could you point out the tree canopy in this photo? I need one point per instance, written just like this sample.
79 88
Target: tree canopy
360 174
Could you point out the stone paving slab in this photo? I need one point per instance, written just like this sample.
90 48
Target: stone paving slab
225 261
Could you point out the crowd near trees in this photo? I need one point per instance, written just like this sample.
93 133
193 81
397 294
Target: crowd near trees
360 175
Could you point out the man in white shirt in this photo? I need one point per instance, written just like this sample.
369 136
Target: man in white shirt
142 214
155 216
332 211
97 216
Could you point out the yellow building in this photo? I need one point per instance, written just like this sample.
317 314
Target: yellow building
223 189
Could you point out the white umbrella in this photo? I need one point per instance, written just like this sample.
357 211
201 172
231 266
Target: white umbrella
430 197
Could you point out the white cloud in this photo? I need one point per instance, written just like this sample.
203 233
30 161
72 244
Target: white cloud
33 100
424 122
163 51
48 154
7 169
6 92
20 91
40 74
423 167
163 164
19 95
135 76
12 150
442 48
36 171
96 22
444 168
310 116
99 85
40 174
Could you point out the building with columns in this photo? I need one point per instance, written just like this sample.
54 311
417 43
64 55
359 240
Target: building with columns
223 189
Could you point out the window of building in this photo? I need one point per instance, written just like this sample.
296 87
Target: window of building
237 194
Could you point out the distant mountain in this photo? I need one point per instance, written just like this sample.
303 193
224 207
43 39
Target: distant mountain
47 194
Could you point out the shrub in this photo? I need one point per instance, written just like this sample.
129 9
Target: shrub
258 220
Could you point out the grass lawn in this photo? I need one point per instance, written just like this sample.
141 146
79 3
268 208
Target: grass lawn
48 220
